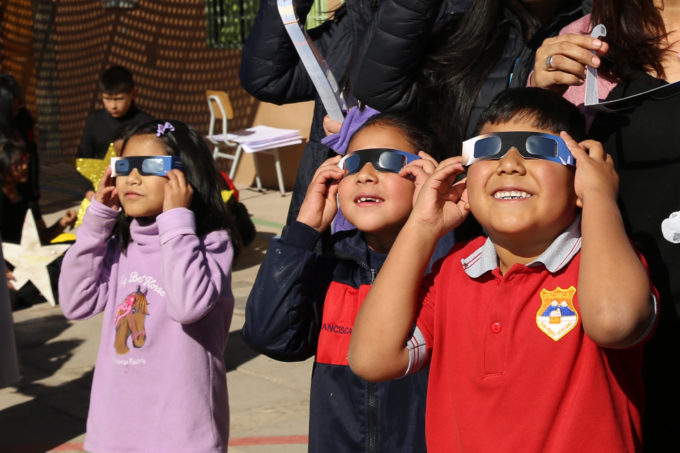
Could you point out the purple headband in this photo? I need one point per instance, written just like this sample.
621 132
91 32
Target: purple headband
163 128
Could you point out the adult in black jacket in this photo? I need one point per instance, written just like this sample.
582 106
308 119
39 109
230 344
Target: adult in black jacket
449 64
271 70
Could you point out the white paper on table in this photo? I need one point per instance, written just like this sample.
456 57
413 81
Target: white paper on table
271 145
262 135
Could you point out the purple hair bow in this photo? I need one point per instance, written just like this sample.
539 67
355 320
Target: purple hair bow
163 128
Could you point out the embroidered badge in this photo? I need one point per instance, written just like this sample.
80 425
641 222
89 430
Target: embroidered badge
557 315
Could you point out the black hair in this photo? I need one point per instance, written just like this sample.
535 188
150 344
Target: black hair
636 35
116 79
544 108
122 132
10 153
185 142
418 133
463 54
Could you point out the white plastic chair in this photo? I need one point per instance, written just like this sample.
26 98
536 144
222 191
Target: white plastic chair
220 109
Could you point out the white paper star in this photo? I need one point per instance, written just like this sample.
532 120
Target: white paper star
30 259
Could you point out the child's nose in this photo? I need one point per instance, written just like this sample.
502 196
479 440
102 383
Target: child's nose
511 163
134 175
367 173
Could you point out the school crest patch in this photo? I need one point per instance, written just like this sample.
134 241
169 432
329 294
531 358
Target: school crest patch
557 315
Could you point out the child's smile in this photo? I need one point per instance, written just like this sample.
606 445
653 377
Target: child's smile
511 195
515 197
367 200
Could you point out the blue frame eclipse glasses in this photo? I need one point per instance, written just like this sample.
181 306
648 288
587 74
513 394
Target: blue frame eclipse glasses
145 165
382 159
531 145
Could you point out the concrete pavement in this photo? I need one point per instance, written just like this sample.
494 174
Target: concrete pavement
47 409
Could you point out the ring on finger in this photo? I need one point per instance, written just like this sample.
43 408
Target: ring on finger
548 62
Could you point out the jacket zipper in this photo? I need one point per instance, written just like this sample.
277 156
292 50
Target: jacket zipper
372 418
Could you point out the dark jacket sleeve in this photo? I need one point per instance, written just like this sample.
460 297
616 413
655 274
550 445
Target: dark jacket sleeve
271 69
87 146
394 52
285 306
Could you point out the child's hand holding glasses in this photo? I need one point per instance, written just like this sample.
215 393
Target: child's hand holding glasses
178 192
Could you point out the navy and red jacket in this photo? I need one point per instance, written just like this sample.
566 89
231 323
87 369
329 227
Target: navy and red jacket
304 303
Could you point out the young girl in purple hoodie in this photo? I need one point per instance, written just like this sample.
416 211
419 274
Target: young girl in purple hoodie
154 256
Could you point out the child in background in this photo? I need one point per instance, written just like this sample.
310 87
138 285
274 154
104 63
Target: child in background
16 199
118 96
533 335
303 303
160 271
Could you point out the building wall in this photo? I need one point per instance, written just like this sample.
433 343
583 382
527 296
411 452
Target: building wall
58 49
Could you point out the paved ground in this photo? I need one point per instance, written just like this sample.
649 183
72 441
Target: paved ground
46 410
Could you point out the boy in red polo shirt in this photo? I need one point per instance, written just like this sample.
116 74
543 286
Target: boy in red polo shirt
533 335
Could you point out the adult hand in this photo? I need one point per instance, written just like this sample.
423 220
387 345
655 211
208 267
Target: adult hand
595 175
107 193
178 192
330 126
561 61
320 206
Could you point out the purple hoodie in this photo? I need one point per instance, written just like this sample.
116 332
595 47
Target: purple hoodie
159 382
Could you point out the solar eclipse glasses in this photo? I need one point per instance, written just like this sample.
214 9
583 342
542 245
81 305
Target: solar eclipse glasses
531 145
382 159
145 165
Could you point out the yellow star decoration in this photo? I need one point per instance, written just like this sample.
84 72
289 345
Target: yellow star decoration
93 169
30 259
81 212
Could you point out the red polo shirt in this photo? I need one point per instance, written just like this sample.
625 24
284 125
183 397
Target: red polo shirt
511 369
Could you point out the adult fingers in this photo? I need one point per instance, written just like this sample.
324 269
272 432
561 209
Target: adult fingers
577 48
562 60
331 126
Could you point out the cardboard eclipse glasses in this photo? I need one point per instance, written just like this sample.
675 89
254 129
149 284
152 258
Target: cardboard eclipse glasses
145 165
382 159
531 145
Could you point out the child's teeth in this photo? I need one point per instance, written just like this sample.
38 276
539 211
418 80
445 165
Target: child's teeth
511 195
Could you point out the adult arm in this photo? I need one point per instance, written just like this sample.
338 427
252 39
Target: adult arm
395 50
271 69
377 350
614 290
84 279
87 147
195 270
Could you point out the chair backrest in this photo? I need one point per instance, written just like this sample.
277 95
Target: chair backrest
223 98
220 107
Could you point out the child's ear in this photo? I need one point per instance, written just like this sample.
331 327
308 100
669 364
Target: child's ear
133 94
